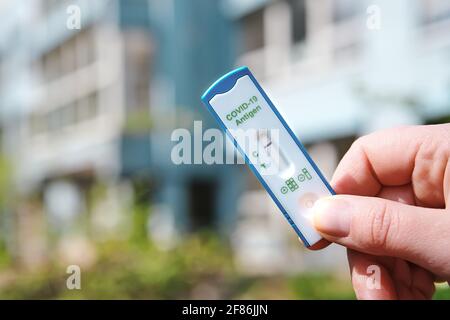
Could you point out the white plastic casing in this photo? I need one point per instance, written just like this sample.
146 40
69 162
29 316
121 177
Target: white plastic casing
279 161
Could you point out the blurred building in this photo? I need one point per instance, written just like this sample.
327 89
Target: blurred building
87 112
196 44
342 68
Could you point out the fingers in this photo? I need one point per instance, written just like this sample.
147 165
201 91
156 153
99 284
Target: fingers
323 243
383 227
403 194
411 281
423 282
367 285
368 164
388 278
417 155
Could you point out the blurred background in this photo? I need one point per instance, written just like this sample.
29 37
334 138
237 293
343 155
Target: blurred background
87 112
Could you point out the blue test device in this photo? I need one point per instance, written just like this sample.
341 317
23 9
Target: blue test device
271 149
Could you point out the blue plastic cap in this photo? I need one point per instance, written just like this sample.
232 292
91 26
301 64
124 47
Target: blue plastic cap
224 83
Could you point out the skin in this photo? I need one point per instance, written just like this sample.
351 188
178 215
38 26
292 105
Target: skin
395 187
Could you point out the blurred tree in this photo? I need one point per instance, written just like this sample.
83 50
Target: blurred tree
6 193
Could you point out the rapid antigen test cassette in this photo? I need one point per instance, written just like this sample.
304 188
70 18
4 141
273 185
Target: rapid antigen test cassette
269 146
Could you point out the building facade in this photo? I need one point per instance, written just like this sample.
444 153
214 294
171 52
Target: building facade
88 108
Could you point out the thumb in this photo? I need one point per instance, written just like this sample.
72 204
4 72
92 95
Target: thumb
383 227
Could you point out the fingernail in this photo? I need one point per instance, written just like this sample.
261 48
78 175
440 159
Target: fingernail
332 216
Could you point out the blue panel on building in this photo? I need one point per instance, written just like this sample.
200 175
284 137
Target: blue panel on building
134 13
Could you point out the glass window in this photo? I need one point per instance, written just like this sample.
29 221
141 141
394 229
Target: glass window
87 108
85 47
253 31
75 53
37 123
54 120
68 115
346 9
50 5
435 10
69 60
51 62
298 11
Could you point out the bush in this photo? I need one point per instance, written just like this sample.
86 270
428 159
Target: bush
321 286
125 271
200 267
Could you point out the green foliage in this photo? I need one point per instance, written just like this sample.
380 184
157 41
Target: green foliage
442 293
132 271
147 273
138 121
5 181
321 286
6 198
126 271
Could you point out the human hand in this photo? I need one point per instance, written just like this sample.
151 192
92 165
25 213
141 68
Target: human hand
393 211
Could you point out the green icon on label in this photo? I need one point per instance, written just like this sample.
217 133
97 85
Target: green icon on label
292 185
262 165
304 176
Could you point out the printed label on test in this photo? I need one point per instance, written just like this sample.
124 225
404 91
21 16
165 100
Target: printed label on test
269 146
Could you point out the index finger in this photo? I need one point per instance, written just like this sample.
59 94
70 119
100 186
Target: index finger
390 158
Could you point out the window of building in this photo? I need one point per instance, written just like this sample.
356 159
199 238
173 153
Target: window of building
68 116
137 70
435 10
84 109
85 47
68 56
54 120
298 20
137 73
87 108
49 6
51 62
252 26
93 105
73 54
346 9
202 201
37 124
